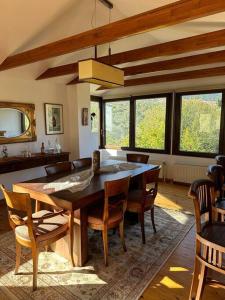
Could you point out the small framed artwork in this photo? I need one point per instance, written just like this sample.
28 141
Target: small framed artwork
84 116
53 118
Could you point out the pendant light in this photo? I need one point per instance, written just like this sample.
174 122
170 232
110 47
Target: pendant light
94 71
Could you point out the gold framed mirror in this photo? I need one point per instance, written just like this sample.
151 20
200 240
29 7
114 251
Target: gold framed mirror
17 122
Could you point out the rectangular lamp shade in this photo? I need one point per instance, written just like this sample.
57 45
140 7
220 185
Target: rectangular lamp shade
93 71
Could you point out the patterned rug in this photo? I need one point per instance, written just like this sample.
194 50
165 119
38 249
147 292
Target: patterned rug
126 277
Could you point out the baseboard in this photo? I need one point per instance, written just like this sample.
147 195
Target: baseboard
181 183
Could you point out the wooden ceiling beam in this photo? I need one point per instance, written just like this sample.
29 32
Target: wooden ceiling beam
203 73
74 81
195 43
172 64
178 63
171 14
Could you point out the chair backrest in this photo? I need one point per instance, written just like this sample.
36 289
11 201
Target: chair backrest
18 202
220 160
202 193
150 177
59 167
139 158
82 163
216 174
116 194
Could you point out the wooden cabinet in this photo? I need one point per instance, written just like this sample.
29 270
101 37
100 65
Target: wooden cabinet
17 163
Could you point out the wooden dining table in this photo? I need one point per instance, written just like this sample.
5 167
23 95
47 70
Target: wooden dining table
75 245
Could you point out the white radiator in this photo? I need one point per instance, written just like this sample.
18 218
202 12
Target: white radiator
188 173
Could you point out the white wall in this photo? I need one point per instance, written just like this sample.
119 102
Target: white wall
38 93
82 141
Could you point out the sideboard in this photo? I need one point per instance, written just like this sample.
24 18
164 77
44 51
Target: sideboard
17 163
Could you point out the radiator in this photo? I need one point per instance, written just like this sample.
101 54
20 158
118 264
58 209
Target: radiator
188 173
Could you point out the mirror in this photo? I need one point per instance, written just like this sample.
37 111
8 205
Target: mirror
13 122
17 122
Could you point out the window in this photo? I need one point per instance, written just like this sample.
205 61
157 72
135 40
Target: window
198 123
95 116
117 116
150 123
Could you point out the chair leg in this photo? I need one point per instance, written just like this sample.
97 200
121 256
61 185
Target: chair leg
201 284
18 254
153 219
122 236
35 253
105 244
141 218
195 280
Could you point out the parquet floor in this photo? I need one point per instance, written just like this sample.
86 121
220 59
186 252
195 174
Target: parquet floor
174 279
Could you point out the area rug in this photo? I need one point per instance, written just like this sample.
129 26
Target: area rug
126 277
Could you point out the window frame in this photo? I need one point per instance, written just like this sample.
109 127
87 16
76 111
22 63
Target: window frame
132 122
177 124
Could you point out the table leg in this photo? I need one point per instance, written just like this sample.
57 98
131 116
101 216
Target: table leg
37 205
74 245
81 236
71 232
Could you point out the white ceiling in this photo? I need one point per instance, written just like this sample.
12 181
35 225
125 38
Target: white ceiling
26 24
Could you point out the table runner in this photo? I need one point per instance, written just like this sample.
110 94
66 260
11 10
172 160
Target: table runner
74 182
79 181
117 168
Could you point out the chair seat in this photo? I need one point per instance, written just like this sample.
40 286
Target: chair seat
134 203
44 228
214 233
95 216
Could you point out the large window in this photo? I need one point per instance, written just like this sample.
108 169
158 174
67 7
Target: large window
150 123
117 116
138 123
198 123
144 123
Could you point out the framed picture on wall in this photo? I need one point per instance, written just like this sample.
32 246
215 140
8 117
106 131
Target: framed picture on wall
84 116
53 118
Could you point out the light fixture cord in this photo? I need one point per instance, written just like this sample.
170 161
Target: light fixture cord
94 26
109 42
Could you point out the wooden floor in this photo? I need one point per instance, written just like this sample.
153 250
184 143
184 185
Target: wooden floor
174 279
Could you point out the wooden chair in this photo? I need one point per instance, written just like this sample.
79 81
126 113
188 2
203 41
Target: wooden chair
141 200
220 160
111 214
82 163
34 231
138 158
216 174
57 168
210 236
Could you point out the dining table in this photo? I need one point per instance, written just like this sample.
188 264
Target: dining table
76 202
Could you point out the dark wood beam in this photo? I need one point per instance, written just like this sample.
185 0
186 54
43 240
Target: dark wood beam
204 73
172 64
171 14
195 43
74 81
178 63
